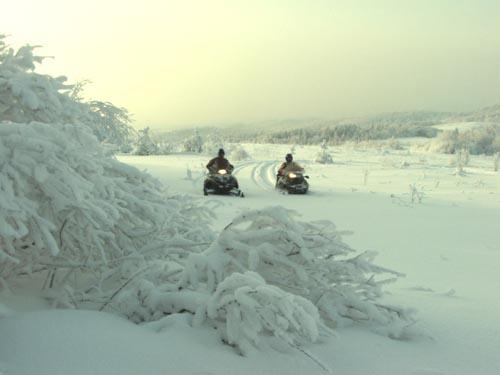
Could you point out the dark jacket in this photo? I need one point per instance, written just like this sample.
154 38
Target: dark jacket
219 163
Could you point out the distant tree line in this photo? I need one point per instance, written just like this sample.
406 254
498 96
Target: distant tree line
337 134
388 126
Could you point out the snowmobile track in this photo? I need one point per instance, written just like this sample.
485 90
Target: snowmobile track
263 175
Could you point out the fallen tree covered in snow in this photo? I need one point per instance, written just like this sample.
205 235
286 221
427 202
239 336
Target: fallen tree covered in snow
268 273
66 207
70 214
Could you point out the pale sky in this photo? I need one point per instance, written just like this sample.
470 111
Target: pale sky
184 62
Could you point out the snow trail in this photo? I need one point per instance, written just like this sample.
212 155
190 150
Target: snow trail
263 174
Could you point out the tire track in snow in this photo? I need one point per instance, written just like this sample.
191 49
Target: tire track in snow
241 166
263 175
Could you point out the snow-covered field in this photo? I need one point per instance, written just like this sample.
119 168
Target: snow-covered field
461 126
439 228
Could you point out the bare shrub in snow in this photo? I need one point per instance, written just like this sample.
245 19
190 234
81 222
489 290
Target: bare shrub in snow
416 194
496 161
459 162
466 156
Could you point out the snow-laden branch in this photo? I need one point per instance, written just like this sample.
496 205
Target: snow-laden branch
64 204
304 258
27 96
268 273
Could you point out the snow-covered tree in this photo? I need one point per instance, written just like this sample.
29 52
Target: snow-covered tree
165 147
324 156
213 143
194 143
145 146
68 211
66 207
112 123
484 139
26 96
496 161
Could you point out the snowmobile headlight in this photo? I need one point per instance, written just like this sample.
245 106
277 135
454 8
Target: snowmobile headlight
222 171
292 175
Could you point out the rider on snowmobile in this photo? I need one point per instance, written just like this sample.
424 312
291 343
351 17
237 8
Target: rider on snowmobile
289 166
219 162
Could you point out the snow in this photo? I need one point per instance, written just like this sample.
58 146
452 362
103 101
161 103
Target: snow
448 246
87 342
461 126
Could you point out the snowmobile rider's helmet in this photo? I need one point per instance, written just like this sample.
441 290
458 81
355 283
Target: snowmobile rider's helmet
221 153
289 158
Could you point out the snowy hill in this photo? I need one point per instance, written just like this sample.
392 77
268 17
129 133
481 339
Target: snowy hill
314 131
487 114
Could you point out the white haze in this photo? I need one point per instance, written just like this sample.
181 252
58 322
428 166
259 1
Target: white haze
184 63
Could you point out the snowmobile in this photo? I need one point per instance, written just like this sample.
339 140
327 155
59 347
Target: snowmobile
222 182
293 183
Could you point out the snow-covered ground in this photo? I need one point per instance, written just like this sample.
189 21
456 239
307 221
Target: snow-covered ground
448 245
